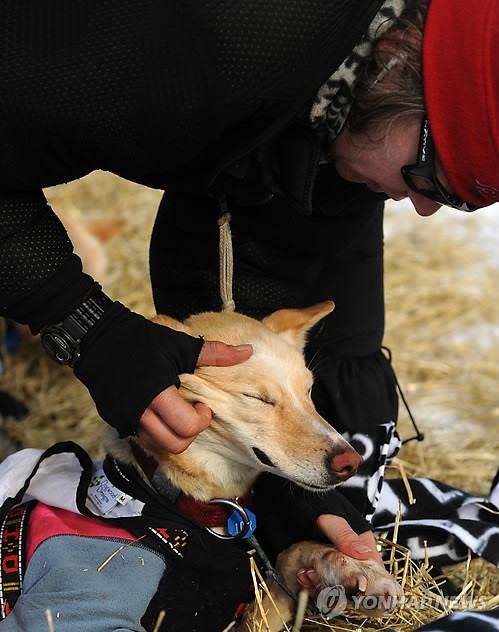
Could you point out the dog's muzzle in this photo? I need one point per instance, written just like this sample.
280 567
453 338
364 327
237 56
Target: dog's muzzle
344 464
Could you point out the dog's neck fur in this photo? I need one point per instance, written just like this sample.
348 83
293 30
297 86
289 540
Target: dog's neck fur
229 480
198 471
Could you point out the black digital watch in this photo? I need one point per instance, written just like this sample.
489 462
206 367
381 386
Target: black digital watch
62 341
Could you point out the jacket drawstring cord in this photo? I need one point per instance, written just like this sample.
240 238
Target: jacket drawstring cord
226 257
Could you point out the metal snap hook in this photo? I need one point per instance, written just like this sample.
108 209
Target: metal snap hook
242 513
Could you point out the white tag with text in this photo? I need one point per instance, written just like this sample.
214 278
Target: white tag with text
103 494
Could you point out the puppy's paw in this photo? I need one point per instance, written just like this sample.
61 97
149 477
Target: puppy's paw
368 586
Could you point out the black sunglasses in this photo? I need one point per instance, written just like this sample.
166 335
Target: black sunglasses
421 177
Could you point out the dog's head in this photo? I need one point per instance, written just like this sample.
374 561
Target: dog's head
263 415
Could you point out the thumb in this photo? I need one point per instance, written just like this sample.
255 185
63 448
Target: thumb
216 353
346 540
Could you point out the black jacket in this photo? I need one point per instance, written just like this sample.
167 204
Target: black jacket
184 95
203 99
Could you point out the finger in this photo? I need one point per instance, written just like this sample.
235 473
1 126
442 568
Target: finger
179 421
216 353
154 433
154 430
184 419
367 539
346 540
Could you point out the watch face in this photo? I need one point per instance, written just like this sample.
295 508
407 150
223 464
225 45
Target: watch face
62 341
59 346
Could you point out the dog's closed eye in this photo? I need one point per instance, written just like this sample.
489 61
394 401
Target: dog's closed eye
260 398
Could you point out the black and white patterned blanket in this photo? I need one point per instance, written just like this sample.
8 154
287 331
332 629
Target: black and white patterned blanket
442 525
449 520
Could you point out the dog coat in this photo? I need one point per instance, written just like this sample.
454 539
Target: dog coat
128 555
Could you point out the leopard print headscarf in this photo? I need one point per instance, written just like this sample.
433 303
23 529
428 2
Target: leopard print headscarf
334 99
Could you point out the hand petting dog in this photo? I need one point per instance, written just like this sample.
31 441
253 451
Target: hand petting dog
172 423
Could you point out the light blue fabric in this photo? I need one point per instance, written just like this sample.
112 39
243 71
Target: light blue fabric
81 598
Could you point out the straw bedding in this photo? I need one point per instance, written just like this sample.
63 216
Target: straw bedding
442 328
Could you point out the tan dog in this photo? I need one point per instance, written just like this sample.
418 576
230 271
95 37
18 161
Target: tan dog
264 420
89 236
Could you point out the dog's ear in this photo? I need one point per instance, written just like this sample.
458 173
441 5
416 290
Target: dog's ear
168 321
295 323
103 228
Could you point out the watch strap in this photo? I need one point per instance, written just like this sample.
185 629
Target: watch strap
62 340
85 315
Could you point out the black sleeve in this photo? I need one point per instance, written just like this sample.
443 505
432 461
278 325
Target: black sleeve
482 621
126 360
41 279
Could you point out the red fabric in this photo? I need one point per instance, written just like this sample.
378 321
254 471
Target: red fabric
461 79
46 521
202 513
147 463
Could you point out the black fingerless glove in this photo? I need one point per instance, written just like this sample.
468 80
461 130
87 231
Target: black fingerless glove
333 502
126 360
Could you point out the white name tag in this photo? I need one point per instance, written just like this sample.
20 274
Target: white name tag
103 494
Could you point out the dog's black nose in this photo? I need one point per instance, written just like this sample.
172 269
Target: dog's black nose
345 464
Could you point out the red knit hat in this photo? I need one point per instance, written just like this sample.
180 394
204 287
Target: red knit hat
461 79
